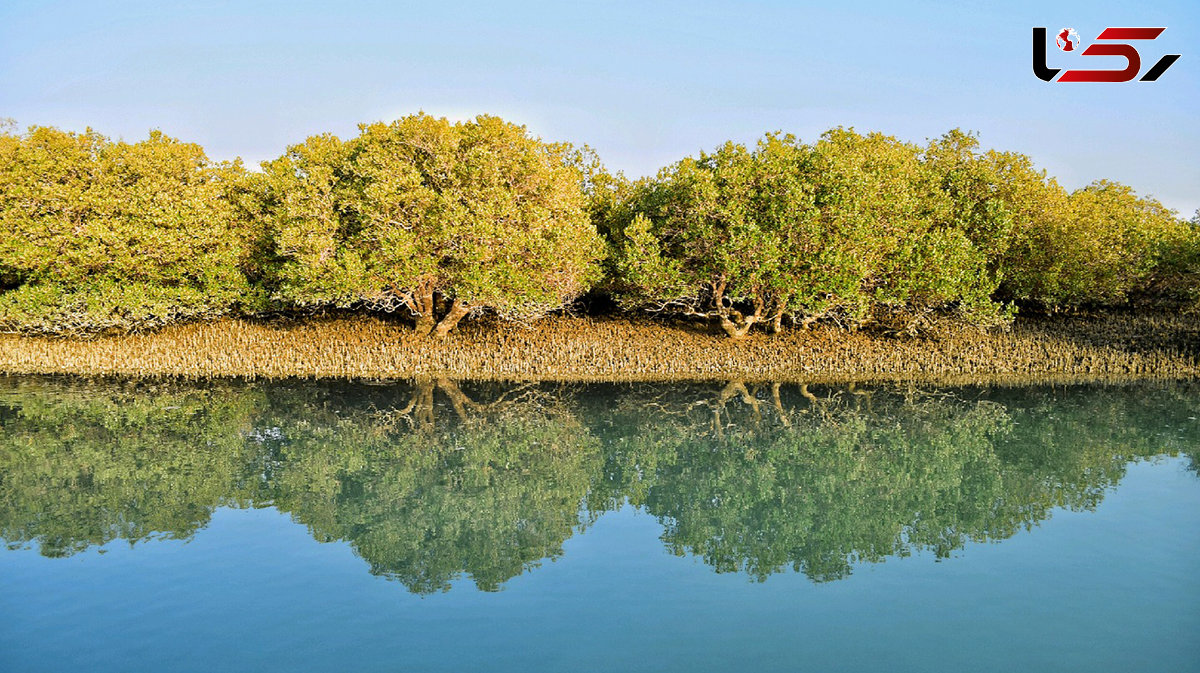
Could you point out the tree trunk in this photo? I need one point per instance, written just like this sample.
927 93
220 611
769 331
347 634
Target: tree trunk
458 311
779 305
735 324
425 308
777 322
734 329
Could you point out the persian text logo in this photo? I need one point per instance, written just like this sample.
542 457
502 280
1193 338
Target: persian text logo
1105 45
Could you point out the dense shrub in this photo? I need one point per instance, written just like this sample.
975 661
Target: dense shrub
1099 245
1107 245
847 226
475 215
440 220
1178 275
701 238
96 234
883 211
868 229
1002 204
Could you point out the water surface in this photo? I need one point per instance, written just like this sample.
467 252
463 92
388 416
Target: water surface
449 526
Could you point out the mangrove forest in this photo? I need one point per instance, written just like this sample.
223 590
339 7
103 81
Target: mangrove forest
436 221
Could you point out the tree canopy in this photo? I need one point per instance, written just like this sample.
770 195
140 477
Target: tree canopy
438 220
478 214
96 234
849 225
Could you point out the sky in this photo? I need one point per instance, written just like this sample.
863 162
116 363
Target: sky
645 84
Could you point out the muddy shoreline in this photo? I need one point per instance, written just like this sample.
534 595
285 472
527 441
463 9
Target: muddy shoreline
1100 347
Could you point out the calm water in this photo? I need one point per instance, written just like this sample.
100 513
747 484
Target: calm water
694 527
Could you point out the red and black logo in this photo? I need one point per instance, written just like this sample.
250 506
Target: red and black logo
1068 40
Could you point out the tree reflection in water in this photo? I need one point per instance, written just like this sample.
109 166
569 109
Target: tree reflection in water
432 480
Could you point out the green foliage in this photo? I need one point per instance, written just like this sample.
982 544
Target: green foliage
477 213
1107 245
1002 205
1100 245
886 211
845 227
441 220
1175 271
865 228
96 234
709 236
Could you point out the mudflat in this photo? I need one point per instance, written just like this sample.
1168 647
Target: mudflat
1117 346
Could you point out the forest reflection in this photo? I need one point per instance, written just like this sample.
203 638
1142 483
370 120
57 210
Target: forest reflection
434 480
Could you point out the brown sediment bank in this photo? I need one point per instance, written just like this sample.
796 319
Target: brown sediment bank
1062 348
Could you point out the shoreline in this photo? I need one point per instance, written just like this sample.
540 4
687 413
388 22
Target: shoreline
1102 347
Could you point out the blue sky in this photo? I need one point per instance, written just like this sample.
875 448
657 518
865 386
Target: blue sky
643 83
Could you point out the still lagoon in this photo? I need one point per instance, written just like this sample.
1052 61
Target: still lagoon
725 526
